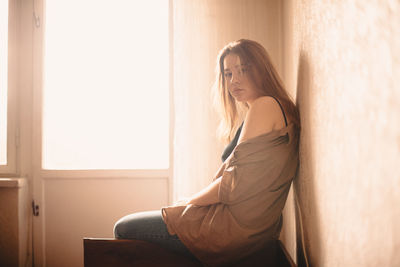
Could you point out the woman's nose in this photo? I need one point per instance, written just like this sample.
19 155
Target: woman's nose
235 78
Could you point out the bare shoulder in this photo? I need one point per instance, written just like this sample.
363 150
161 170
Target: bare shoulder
264 103
263 116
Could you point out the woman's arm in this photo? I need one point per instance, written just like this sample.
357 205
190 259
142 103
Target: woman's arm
208 195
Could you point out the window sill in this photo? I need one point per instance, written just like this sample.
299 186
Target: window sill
13 182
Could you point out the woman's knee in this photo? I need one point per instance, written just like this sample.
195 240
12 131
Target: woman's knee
126 227
120 229
134 225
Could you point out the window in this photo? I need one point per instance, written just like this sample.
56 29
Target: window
3 80
106 85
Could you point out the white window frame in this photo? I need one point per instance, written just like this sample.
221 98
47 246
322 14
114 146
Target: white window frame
10 169
38 70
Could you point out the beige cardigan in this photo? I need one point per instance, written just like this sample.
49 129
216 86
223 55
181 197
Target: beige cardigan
255 182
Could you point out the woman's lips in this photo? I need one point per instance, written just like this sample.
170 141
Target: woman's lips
237 90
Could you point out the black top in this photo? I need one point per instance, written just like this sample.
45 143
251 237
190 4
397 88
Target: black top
229 148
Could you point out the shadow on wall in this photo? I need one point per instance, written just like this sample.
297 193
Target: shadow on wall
304 184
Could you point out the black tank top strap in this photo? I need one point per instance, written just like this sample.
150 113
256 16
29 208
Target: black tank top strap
284 115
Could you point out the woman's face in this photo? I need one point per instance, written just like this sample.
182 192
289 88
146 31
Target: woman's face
238 82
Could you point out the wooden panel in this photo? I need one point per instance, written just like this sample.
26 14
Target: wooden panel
8 226
113 252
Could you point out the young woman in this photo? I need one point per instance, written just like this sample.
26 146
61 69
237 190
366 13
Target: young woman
241 210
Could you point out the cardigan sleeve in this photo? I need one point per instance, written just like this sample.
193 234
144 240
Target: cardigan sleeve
226 186
247 176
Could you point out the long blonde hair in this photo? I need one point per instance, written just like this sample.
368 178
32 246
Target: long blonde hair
262 73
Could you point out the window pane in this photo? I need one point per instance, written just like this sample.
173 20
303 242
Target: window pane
3 80
106 96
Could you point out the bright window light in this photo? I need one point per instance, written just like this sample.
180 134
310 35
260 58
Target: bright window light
3 80
106 80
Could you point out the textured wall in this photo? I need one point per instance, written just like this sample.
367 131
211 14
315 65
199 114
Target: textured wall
342 59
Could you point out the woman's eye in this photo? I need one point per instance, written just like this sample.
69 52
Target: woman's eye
228 74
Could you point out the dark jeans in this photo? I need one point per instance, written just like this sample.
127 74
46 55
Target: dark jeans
149 226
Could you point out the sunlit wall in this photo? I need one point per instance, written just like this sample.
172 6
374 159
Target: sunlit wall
342 59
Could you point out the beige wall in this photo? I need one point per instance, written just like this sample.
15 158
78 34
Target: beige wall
342 59
89 207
